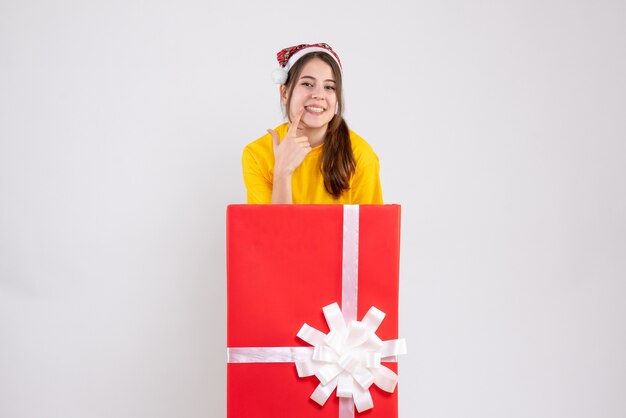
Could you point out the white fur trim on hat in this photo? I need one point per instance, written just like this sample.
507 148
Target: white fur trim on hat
279 75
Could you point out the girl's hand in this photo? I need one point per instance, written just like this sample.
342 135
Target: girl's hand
289 154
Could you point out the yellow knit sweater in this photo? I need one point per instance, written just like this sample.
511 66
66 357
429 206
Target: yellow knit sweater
307 180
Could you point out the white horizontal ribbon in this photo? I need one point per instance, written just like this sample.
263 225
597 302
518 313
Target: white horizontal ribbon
268 354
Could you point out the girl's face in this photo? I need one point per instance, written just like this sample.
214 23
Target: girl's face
315 91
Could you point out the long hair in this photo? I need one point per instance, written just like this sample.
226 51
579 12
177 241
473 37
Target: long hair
337 161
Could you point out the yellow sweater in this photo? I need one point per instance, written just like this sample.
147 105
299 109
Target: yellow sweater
307 180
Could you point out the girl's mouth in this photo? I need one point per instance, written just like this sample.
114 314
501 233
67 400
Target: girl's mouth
316 110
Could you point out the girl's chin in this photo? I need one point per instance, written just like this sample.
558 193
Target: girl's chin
315 123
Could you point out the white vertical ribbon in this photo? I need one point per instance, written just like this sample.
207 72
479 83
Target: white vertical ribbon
350 282
346 408
350 262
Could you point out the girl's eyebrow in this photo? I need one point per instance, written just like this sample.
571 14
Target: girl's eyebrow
313 78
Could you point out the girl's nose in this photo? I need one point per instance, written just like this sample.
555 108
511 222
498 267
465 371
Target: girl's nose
318 93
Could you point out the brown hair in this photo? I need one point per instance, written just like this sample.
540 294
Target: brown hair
337 162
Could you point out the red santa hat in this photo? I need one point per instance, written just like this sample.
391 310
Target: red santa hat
289 56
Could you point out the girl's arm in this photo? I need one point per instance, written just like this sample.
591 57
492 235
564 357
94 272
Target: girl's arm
256 178
366 188
281 189
288 155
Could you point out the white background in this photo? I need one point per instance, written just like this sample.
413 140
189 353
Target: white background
501 129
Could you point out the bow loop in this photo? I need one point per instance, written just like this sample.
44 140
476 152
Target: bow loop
349 357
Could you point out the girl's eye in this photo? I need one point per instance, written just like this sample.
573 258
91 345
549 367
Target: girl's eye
330 88
307 84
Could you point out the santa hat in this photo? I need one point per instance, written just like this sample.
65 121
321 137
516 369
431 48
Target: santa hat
289 56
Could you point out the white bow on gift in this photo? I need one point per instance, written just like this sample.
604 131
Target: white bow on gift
349 357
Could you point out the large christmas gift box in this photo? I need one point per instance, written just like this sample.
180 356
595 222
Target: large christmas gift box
313 311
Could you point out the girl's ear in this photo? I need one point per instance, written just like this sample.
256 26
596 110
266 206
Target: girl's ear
283 94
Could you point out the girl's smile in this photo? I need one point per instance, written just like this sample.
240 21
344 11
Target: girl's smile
316 110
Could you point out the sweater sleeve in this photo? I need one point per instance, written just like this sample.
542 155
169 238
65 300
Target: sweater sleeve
258 185
366 187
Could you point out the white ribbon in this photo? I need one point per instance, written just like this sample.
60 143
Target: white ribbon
349 357
350 262
268 354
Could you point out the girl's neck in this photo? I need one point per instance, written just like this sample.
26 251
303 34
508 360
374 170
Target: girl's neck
316 135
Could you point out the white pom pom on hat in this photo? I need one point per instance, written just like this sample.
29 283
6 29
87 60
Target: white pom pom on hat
279 75
287 57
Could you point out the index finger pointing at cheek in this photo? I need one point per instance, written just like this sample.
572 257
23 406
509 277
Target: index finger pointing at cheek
293 127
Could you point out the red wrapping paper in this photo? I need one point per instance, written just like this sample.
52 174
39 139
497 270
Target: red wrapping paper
284 264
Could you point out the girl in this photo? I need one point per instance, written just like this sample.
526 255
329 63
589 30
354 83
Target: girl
314 158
